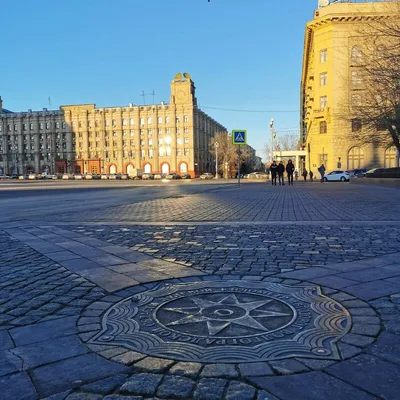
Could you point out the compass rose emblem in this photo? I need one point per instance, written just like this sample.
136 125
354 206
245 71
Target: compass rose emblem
219 315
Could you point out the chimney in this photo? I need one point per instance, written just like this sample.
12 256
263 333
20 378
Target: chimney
1 105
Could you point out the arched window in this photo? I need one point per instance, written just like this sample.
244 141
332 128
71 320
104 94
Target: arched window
130 169
391 157
167 120
356 55
149 120
141 121
165 168
113 169
160 120
147 169
184 168
356 158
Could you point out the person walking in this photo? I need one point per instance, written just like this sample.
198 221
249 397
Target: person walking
274 170
311 176
296 174
281 172
322 170
290 171
305 173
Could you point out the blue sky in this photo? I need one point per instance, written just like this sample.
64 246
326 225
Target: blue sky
241 54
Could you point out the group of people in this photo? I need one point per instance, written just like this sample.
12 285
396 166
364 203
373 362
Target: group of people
278 172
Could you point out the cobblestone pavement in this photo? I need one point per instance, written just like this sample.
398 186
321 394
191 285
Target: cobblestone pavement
206 311
260 202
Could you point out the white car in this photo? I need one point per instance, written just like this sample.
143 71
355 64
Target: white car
78 177
66 177
337 176
207 175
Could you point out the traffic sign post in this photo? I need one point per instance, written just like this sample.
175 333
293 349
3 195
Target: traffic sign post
239 137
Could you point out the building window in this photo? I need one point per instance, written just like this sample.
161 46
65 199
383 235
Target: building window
160 142
159 120
178 120
15 127
186 141
168 131
141 121
356 78
356 100
123 133
178 130
161 152
391 157
356 55
323 79
132 132
323 127
114 123
187 152
356 158
142 143
356 125
160 131
114 133
183 168
124 122
151 153
150 142
115 144
64 125
323 101
149 120
179 141
132 143
131 121
125 143
167 120
323 56
186 130
24 127
96 124
149 132
168 151
185 118
57 125
107 122
143 153
141 132
178 152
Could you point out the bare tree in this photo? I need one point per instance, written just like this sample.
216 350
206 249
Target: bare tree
375 110
287 142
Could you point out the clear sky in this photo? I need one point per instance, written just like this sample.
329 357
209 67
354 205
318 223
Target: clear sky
241 54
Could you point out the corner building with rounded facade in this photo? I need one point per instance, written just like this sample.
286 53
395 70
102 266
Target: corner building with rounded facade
158 138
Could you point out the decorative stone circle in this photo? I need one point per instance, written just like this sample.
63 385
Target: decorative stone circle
227 321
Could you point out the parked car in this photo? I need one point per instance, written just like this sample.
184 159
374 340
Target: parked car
172 177
32 177
118 176
186 176
147 177
96 176
256 175
158 176
112 176
78 177
104 176
337 176
207 175
124 177
66 177
88 176
355 173
383 173
23 177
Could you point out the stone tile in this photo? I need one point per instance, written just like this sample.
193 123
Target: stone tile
17 386
134 256
79 265
187 369
119 397
50 351
307 273
84 396
58 396
287 367
73 372
210 389
175 387
373 290
106 260
129 357
219 371
335 282
44 331
263 395
9 363
144 276
142 384
357 340
312 386
387 346
240 391
255 369
108 280
105 386
371 374
153 364
348 351
5 340
372 274
62 256
370 330
124 268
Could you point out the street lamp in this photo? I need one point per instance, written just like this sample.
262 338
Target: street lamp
216 144
273 137
14 149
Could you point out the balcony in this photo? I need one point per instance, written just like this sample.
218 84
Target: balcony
321 112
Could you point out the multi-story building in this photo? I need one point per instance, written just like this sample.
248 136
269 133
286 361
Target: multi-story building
158 138
331 80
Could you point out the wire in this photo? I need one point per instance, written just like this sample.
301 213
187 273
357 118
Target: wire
251 111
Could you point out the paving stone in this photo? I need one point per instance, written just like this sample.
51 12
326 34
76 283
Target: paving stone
240 391
210 389
58 396
255 369
119 397
348 351
372 290
371 374
175 387
316 364
370 330
219 371
129 357
17 386
312 386
285 367
153 364
73 372
335 282
105 386
187 369
263 395
5 340
9 363
357 340
84 396
50 351
142 384
387 346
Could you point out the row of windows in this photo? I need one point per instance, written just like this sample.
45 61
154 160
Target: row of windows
125 143
143 154
356 126
356 55
31 126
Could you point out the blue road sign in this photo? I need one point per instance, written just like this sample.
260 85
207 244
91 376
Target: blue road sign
239 137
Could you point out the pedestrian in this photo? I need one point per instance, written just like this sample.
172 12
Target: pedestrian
289 171
322 170
274 170
311 176
296 174
305 173
281 172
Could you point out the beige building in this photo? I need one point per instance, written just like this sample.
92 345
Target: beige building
158 138
331 80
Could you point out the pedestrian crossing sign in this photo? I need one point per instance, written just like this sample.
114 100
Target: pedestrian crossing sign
239 137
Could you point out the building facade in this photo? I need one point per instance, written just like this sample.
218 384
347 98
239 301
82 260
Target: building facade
333 56
158 138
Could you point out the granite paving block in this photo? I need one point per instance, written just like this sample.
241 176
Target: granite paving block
387 346
44 331
9 363
175 387
219 371
373 290
51 350
335 282
307 273
5 340
239 391
153 364
371 274
311 386
79 265
142 384
371 374
255 369
188 369
17 387
73 372
62 255
210 389
105 386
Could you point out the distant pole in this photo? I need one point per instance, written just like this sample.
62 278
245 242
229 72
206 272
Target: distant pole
144 97
271 126
216 160
239 165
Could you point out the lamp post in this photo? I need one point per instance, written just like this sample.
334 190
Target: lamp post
14 149
216 144
273 137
